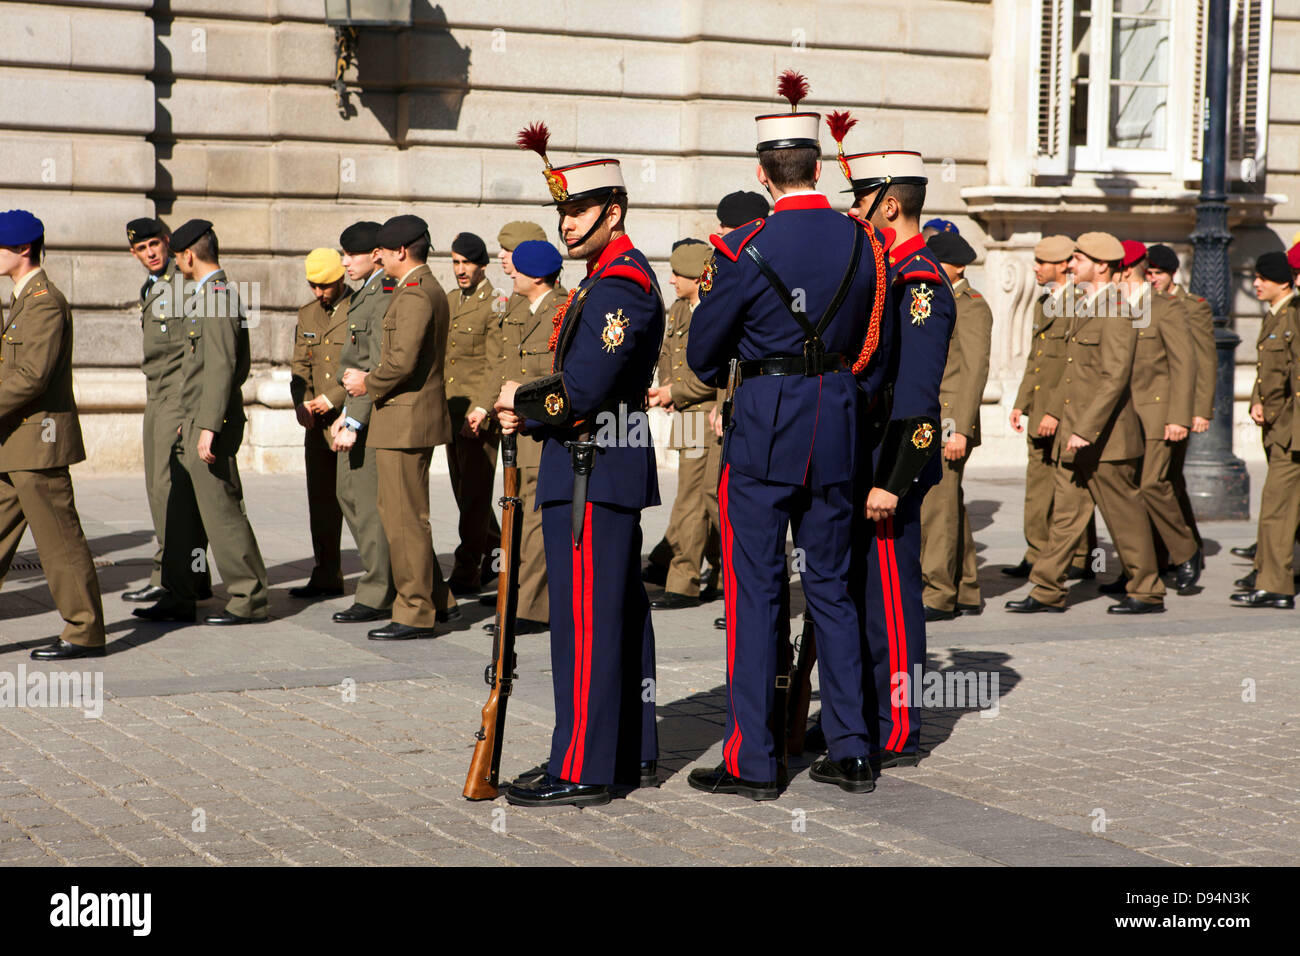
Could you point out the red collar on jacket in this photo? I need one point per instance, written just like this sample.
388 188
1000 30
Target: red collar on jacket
802 201
900 252
616 248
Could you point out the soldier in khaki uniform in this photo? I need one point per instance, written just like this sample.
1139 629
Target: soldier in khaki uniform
476 310
163 337
948 566
524 355
318 396
40 436
213 369
1272 407
1162 266
1099 439
1163 386
358 474
1044 369
688 400
409 418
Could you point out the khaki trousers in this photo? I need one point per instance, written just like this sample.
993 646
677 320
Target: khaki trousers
43 501
472 463
403 502
948 566
358 497
1040 486
1279 516
534 602
159 434
1173 536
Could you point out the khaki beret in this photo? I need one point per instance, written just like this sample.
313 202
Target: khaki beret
1100 246
1054 249
324 266
513 233
689 259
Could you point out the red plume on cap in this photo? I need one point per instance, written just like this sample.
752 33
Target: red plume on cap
840 122
536 137
793 86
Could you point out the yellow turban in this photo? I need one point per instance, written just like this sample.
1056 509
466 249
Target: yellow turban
324 266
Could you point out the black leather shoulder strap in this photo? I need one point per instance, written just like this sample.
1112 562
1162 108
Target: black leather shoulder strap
783 293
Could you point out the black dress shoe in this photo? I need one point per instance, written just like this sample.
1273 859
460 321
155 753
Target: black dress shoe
1031 605
1131 605
147 594
548 791
463 590
1079 574
533 773
167 611
970 610
853 774
226 619
488 600
523 625
360 613
1020 570
400 632
202 594
1189 572
61 650
709 593
934 614
895 758
672 601
654 574
1248 582
1118 586
442 617
1247 553
718 780
1264 599
308 591
720 623
649 773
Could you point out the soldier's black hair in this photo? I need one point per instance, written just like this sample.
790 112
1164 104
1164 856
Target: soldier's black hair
794 168
554 278
36 246
910 198
419 249
205 247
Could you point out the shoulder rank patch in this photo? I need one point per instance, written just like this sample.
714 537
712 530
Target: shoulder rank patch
710 271
919 312
742 233
614 333
625 267
923 435
555 405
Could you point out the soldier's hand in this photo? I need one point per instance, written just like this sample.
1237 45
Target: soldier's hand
954 449
1047 427
506 400
881 504
666 396
1076 443
1200 424
1257 413
344 439
303 415
319 405
509 421
205 446
354 380
1175 432
1016 415
715 420
474 423
652 398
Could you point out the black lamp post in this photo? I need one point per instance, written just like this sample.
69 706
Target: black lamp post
1217 481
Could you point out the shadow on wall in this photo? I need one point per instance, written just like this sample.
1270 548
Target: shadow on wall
423 65
163 137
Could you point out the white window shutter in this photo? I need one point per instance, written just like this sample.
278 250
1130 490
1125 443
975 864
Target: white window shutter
1200 19
1250 43
1055 26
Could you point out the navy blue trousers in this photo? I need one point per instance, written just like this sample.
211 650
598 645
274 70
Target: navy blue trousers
602 646
754 515
893 619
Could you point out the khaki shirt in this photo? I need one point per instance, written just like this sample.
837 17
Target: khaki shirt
162 330
1278 373
967 371
318 342
1200 317
39 427
1045 363
216 361
523 355
1164 367
468 372
366 308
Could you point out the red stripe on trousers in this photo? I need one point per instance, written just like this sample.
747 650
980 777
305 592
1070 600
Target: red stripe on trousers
572 766
732 746
902 722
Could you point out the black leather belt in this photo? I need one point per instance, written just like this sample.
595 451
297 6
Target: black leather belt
792 365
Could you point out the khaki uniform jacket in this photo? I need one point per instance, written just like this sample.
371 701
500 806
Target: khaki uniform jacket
1093 400
1045 364
38 414
1164 368
162 329
366 308
1278 375
318 342
522 354
410 402
216 363
1200 318
967 370
468 372
691 397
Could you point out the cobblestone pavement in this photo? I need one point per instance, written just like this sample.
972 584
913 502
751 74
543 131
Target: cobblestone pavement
1170 739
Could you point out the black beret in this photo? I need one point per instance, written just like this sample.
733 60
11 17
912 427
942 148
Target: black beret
401 231
736 209
951 248
359 237
1163 258
1274 267
138 230
471 247
189 233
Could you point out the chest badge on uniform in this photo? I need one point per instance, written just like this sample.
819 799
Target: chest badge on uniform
923 435
710 270
614 333
920 309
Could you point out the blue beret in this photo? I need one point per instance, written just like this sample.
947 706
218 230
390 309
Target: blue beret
19 227
943 225
536 258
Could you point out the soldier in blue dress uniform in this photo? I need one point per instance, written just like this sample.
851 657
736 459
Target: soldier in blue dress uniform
903 428
793 298
597 472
